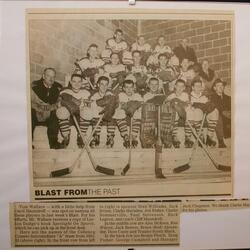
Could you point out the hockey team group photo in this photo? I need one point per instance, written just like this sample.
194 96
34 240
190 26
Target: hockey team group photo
149 98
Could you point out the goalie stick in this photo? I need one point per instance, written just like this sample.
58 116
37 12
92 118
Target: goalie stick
217 166
127 167
158 147
186 166
68 170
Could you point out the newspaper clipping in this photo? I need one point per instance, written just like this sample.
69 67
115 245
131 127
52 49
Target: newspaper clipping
110 223
129 103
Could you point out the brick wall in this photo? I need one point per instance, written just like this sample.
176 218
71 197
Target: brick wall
58 43
210 39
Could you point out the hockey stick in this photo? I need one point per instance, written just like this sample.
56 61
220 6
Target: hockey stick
158 147
127 167
87 78
217 166
187 165
96 167
68 170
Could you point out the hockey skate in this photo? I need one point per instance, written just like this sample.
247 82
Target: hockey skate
176 142
126 143
95 141
188 142
110 141
80 143
210 142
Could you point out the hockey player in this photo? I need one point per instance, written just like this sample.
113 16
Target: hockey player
44 99
120 115
88 66
200 105
117 43
143 47
166 73
74 101
139 71
160 48
182 98
116 72
102 83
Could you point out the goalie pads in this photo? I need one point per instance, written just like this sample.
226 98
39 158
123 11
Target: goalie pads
148 125
70 102
168 115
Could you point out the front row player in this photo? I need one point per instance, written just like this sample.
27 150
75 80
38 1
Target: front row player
121 118
77 96
195 113
102 85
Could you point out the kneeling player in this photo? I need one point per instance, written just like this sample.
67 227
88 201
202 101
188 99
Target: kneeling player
74 101
120 115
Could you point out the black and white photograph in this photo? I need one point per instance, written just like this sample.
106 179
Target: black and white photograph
130 103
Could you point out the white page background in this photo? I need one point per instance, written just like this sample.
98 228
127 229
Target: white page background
14 182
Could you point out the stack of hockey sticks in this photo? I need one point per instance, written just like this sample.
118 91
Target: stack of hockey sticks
86 142
198 140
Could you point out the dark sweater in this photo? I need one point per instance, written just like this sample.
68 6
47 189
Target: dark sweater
47 95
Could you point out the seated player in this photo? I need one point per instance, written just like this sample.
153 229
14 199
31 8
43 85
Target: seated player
184 65
222 103
116 72
143 47
120 115
166 73
182 98
139 71
77 99
102 83
208 76
117 44
44 99
160 48
88 66
195 112
191 74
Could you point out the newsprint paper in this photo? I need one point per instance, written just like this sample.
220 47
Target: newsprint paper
129 103
110 223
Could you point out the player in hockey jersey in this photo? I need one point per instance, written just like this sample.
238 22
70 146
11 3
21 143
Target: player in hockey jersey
200 105
160 48
102 83
74 101
88 66
166 73
116 72
182 98
117 44
143 47
139 71
121 115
